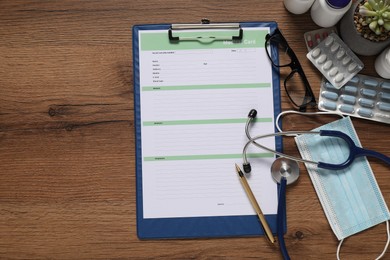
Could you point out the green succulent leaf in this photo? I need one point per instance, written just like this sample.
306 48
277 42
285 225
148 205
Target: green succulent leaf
373 25
381 4
387 26
371 2
376 14
364 11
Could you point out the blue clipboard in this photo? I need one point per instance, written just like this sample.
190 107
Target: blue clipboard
195 227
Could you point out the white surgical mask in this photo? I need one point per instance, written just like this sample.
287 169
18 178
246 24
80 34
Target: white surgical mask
351 198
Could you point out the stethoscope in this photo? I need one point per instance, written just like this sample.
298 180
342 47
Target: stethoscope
354 151
285 169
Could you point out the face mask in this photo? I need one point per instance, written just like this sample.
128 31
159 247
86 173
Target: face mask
351 198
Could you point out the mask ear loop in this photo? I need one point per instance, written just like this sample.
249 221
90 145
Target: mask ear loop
384 250
301 113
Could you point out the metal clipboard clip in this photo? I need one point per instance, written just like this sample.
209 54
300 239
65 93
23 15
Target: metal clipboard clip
205 24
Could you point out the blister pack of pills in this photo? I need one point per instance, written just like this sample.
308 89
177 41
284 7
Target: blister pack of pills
313 38
363 96
335 60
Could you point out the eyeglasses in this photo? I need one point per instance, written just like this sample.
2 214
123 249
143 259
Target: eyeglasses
296 84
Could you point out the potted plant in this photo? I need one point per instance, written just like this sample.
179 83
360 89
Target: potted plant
365 28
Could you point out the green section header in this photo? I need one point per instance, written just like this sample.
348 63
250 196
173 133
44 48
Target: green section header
205 121
219 86
159 41
206 157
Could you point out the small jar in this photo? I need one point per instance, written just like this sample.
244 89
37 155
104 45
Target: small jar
298 6
326 13
382 64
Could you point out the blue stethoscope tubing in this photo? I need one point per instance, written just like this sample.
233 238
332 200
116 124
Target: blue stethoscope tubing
280 217
354 151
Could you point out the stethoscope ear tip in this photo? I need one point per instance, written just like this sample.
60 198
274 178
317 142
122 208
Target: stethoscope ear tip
247 167
252 114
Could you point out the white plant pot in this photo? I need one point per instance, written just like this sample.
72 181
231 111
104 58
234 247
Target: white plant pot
382 64
354 40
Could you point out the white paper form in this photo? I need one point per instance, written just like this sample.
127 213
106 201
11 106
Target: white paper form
195 99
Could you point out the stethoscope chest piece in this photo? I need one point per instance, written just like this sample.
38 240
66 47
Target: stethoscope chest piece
283 167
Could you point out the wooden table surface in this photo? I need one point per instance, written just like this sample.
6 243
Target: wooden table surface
67 151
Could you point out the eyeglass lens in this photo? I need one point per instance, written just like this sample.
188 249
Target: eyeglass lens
295 82
284 58
297 90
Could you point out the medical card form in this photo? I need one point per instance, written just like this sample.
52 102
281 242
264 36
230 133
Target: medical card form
194 99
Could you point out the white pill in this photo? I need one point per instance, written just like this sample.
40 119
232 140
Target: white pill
346 60
322 59
334 47
352 67
328 64
340 54
315 53
328 41
333 72
339 77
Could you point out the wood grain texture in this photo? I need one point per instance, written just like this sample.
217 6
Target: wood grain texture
67 157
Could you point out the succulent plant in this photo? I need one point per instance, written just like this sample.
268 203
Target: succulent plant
376 15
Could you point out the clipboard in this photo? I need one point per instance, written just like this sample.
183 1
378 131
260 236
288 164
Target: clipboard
197 226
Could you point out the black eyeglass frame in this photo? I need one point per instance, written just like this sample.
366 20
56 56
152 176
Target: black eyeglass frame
295 66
